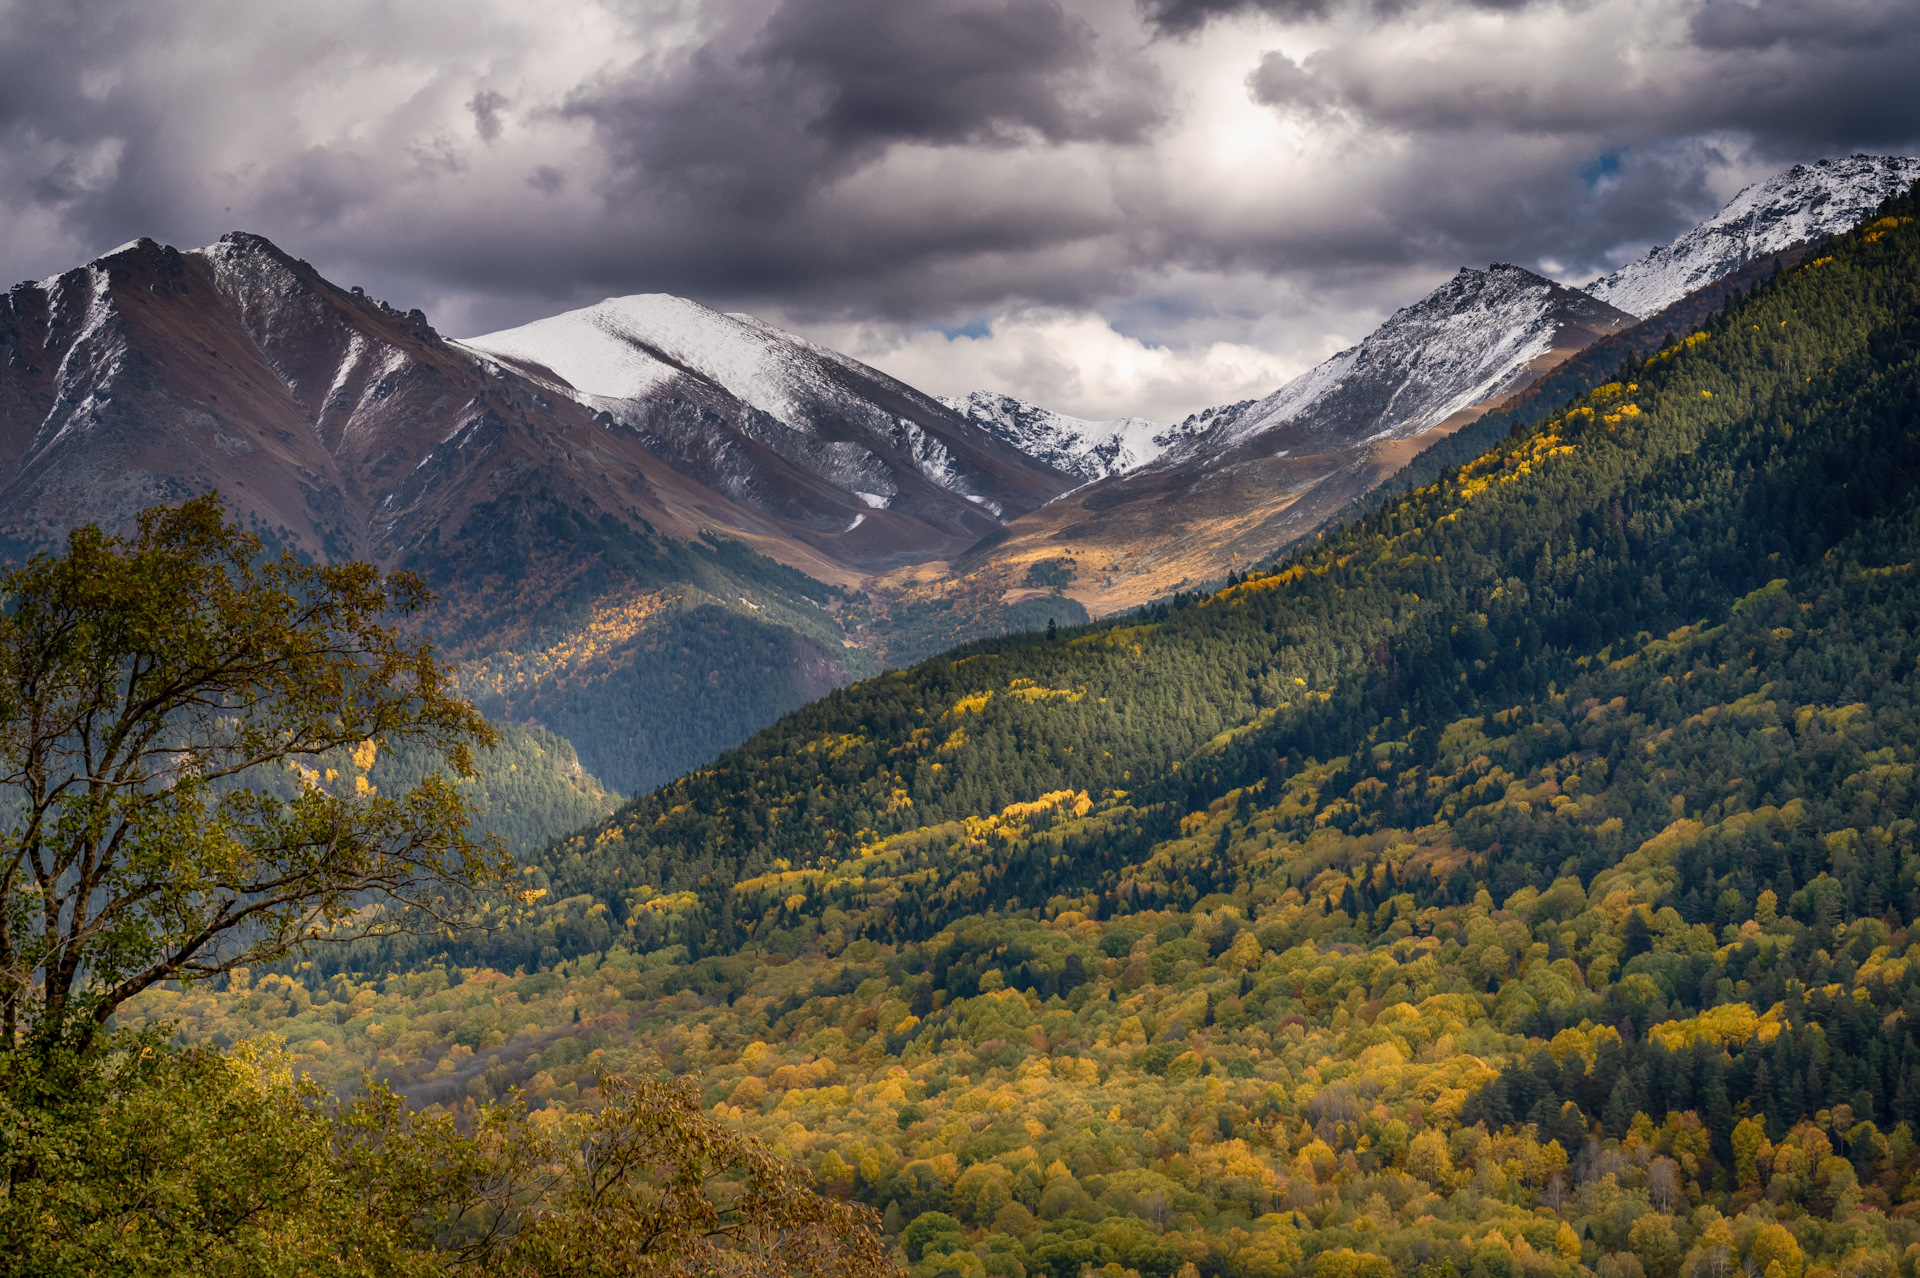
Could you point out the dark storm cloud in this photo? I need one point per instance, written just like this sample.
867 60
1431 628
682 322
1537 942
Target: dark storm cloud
1616 142
902 161
827 86
1184 17
1181 17
1765 24
1279 81
486 106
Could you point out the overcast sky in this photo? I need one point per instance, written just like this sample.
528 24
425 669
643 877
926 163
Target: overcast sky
1105 206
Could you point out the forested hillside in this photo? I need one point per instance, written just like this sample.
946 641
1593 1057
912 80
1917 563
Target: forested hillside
1770 446
528 789
1522 878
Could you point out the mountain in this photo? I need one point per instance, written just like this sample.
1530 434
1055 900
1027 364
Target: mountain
1544 563
594 581
863 466
1244 479
1520 880
1091 450
1803 203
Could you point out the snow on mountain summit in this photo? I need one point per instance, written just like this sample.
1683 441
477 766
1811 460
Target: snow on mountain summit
1089 449
1799 204
625 347
775 421
1476 336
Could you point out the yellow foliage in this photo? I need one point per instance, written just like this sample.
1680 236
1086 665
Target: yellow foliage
1429 1159
1774 1245
1584 1040
612 623
1030 692
1345 1262
1729 1023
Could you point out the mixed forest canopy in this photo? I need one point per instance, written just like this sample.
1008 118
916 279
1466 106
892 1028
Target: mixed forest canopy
1521 879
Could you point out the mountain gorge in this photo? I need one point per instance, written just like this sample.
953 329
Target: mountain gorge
1520 880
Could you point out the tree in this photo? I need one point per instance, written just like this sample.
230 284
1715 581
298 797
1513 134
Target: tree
652 1185
1774 1245
140 1172
168 701
1429 1159
1345 1262
155 1181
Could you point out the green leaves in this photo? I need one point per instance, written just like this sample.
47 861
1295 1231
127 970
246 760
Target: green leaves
155 689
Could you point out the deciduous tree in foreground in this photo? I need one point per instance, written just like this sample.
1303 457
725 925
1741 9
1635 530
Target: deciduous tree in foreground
645 1186
164 699
168 703
203 1162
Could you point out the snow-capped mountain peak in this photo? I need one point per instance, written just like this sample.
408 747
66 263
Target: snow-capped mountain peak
1475 337
626 347
1802 203
774 421
1089 449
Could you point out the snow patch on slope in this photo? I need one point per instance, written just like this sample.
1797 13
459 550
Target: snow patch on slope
1802 203
592 349
1091 450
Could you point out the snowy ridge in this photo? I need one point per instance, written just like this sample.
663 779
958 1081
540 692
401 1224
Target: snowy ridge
1802 203
1091 450
1468 340
624 347
718 393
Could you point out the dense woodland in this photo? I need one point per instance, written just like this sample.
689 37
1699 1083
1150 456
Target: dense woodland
726 637
1521 879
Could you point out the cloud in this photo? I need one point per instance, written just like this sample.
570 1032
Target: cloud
1168 200
486 106
1183 17
1766 24
1077 363
823 87
1279 81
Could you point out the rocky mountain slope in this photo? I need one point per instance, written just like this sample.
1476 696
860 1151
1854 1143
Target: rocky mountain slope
1092 450
1251 477
870 469
655 526
1802 203
1239 481
647 537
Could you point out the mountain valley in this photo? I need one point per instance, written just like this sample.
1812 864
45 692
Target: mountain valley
656 527
1520 879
